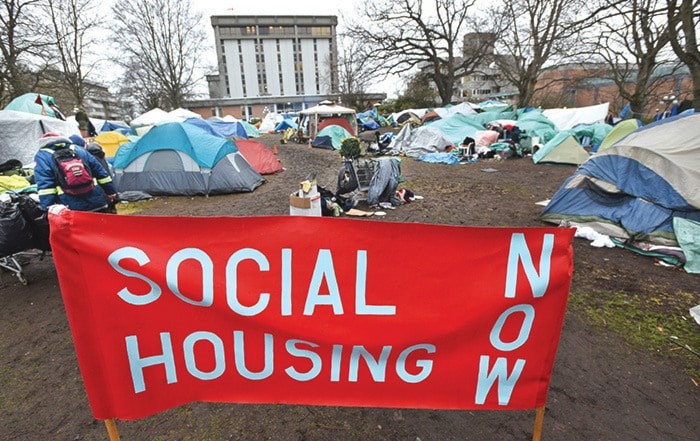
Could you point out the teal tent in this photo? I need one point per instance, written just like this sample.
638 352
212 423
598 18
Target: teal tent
330 137
183 159
37 104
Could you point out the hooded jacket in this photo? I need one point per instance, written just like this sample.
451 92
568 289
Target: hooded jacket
50 192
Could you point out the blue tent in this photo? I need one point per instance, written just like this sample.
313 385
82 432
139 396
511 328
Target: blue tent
183 159
111 126
634 189
222 129
285 124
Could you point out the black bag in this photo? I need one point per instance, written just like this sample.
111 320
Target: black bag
38 221
15 234
73 175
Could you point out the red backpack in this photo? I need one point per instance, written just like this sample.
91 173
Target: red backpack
74 177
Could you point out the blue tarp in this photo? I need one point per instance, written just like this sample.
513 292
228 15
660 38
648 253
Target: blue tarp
222 129
439 158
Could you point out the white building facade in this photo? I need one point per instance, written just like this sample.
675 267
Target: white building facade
282 62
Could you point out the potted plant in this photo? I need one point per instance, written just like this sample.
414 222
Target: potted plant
350 148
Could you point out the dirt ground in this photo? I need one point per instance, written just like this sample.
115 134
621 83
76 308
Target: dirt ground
602 388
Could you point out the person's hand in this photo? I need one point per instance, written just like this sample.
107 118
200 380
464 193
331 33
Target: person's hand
112 198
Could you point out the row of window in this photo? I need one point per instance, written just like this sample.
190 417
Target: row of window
252 31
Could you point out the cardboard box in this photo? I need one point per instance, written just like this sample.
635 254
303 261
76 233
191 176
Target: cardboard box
305 204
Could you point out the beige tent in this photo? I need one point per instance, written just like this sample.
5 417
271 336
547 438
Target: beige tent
310 119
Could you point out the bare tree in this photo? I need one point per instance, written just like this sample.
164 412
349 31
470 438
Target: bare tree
533 35
630 38
22 47
74 24
161 42
355 74
683 22
403 37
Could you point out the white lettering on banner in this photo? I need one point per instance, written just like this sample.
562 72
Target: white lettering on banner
498 374
171 275
141 258
378 366
495 336
191 362
137 363
324 269
519 252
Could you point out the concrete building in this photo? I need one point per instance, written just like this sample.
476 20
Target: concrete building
271 64
487 81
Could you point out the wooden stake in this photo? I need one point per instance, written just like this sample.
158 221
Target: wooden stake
539 422
112 430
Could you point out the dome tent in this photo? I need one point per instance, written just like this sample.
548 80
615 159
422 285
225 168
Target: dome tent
635 188
183 159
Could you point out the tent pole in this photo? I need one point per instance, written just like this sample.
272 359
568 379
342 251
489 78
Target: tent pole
539 422
112 430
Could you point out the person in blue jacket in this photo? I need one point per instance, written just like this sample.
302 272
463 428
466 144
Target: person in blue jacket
50 193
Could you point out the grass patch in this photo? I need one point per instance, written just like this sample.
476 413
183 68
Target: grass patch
660 324
133 207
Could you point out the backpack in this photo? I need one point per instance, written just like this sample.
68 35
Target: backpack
73 175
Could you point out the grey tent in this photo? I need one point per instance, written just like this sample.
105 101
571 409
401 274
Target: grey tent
183 159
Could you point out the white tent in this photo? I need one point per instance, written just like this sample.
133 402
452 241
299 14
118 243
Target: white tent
152 117
182 114
309 119
21 132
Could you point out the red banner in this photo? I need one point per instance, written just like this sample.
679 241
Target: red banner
314 311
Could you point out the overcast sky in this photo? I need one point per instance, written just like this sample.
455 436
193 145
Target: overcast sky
271 7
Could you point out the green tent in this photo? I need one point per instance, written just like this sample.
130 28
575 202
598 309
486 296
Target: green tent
619 131
562 149
35 103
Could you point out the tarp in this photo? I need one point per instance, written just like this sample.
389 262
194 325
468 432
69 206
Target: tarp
590 135
20 132
416 142
259 156
182 159
634 189
533 123
270 121
458 126
688 236
565 119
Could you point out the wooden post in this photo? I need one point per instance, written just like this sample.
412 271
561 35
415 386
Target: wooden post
539 422
112 429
